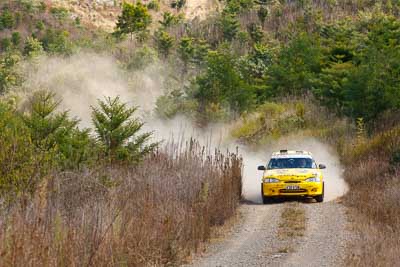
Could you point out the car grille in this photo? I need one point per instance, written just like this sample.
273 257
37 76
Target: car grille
293 191
292 182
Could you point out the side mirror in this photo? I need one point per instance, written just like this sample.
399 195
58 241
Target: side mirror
321 166
261 168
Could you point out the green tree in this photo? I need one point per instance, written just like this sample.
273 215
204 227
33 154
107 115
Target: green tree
178 4
33 47
186 50
296 66
229 25
22 166
9 75
222 84
118 131
6 20
154 5
169 20
255 32
262 14
5 43
54 132
135 19
201 48
57 42
164 42
361 71
16 38
142 57
237 6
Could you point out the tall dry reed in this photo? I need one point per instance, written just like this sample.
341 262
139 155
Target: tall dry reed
154 214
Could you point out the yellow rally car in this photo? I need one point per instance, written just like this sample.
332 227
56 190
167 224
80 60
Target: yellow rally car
292 173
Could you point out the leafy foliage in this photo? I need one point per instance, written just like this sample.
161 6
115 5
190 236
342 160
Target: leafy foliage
164 42
117 131
18 156
33 47
7 20
221 83
55 131
229 26
9 75
178 4
169 20
56 42
295 67
134 19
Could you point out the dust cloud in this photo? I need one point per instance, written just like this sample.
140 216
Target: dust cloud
80 80
83 78
217 136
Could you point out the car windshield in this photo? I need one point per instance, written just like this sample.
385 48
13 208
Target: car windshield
291 163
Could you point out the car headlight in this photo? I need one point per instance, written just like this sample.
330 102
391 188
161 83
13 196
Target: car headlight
271 180
313 179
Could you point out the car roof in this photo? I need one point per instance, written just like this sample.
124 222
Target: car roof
291 154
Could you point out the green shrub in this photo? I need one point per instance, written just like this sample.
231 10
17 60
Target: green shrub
178 4
142 58
255 32
57 42
5 43
40 26
154 5
118 131
9 74
134 19
221 84
7 20
22 165
164 42
229 25
175 103
296 66
16 38
169 20
33 47
55 131
60 13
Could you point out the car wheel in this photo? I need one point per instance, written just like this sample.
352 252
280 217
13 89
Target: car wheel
266 200
320 198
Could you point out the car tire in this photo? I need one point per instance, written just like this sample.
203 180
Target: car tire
320 198
266 200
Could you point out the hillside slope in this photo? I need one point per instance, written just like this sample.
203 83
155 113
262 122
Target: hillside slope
104 13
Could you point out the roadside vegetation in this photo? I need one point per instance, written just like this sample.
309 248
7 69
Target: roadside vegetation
110 196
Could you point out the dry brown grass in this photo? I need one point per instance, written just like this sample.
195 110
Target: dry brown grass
374 199
154 214
292 222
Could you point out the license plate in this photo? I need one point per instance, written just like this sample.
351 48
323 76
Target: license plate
292 187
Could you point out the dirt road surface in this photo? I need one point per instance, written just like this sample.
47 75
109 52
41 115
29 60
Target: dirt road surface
256 240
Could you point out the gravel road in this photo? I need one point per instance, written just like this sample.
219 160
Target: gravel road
255 240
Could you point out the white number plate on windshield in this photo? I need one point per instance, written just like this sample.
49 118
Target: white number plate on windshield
292 187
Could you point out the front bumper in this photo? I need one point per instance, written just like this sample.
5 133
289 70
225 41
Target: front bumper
311 189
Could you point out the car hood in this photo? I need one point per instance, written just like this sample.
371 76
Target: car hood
296 174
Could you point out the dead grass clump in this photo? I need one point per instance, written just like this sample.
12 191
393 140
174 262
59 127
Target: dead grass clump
293 221
373 173
154 214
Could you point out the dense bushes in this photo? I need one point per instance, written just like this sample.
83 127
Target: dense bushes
41 140
349 65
